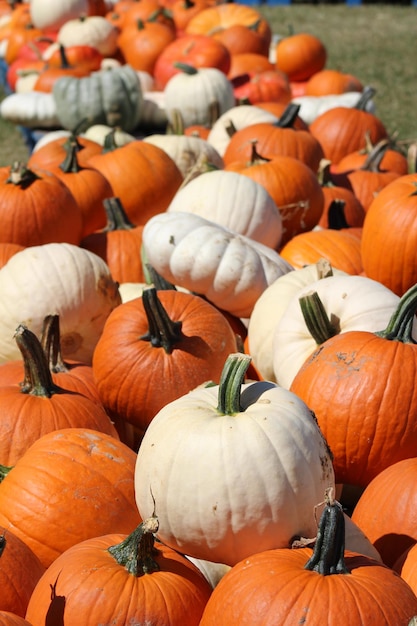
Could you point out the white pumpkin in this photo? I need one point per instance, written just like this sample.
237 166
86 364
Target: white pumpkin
234 201
230 270
93 30
56 278
270 307
99 132
351 303
34 109
313 106
185 150
192 92
153 114
233 469
234 119
51 15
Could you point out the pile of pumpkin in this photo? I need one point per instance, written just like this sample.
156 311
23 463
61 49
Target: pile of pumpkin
207 327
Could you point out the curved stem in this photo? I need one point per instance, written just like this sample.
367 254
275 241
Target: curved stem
117 218
231 380
163 332
70 163
136 553
20 175
367 94
316 318
400 326
51 344
289 116
329 551
39 381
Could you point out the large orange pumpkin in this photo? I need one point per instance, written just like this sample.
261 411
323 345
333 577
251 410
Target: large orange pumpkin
156 348
118 579
327 585
360 386
71 485
300 56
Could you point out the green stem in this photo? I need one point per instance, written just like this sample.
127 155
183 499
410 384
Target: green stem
367 94
400 326
51 344
136 553
21 176
117 218
39 378
70 163
231 380
163 332
185 67
329 550
4 471
316 318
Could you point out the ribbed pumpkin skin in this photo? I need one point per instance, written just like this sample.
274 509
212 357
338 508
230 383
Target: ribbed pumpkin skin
135 379
19 573
100 591
11 619
389 238
272 588
387 510
70 485
361 390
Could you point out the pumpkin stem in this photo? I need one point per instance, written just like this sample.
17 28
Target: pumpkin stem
38 378
20 175
289 116
324 268
51 344
366 95
329 550
163 332
4 470
116 215
336 215
373 160
186 68
400 326
231 380
317 321
255 157
70 163
158 281
136 553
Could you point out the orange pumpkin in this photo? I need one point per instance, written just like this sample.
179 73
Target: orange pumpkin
342 208
390 235
121 579
142 42
37 208
70 485
288 585
254 87
53 153
11 619
300 56
156 348
329 82
362 382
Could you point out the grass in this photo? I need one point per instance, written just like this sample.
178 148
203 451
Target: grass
375 42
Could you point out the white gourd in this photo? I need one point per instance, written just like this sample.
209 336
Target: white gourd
33 109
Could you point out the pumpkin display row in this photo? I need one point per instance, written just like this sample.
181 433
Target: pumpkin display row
206 344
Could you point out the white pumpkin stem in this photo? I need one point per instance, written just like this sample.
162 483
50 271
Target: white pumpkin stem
231 380
317 321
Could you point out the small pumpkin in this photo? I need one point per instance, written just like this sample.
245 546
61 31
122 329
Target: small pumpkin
300 55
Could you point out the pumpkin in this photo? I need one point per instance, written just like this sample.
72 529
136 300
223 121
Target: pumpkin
279 138
19 36
154 339
386 511
340 247
47 17
158 177
7 250
88 186
112 96
11 619
388 240
195 50
244 38
71 466
61 278
300 55
313 106
230 270
290 584
330 82
232 120
292 184
53 153
37 208
93 30
118 244
38 406
262 86
186 151
341 209
341 129
336 380
153 582
192 92
270 307
19 573
225 513
234 201
243 65
323 309
142 42
33 109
